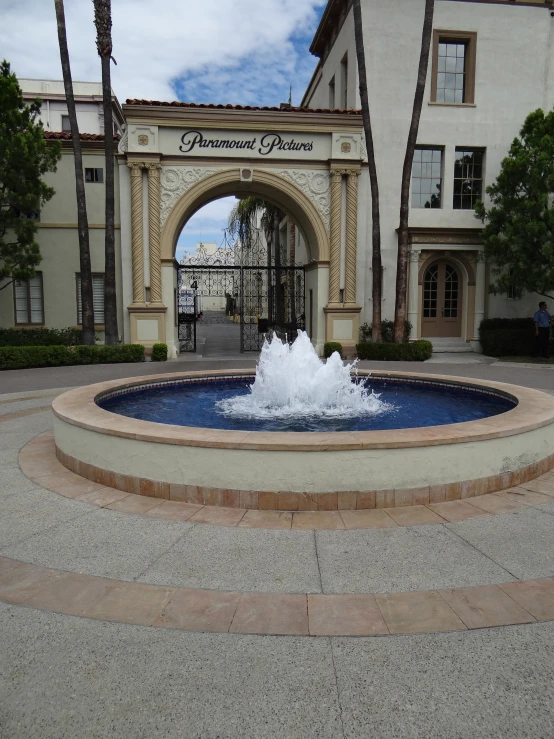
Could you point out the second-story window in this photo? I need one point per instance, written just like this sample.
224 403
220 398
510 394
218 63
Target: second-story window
468 178
93 174
454 62
332 94
66 126
344 82
427 178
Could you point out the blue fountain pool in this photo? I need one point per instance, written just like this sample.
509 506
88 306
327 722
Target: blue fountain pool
407 404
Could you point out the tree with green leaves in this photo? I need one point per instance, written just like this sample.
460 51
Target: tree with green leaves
103 22
25 156
519 224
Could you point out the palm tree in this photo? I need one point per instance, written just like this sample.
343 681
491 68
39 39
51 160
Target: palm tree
400 312
103 22
375 207
82 220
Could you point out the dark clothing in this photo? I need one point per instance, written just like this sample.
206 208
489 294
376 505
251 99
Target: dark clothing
541 342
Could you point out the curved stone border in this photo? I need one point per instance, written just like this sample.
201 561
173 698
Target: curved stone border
39 462
288 614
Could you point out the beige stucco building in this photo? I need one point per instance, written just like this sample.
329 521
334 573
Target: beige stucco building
492 64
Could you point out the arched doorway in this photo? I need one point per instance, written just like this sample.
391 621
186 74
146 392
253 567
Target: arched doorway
442 300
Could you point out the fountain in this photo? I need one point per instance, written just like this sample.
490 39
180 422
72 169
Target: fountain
302 434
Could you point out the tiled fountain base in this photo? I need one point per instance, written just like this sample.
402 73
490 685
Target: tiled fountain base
39 462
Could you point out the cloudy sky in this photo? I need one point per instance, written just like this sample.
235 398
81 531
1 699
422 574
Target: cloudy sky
225 51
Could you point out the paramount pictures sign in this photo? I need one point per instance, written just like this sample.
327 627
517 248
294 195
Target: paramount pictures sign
270 145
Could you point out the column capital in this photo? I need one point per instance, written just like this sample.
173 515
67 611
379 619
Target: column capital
336 174
136 168
480 256
154 168
414 255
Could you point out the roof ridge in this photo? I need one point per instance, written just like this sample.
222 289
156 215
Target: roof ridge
220 106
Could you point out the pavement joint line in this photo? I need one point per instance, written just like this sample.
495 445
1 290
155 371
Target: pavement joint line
487 556
413 612
339 701
185 533
317 561
21 414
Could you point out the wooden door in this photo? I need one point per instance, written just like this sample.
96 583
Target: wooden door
442 301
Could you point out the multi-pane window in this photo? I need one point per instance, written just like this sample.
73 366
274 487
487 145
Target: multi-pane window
451 72
29 303
97 298
430 292
451 290
427 178
454 67
468 178
93 174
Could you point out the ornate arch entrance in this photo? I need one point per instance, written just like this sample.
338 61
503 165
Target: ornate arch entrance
306 163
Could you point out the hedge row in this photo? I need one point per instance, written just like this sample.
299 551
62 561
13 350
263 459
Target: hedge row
40 337
330 347
417 351
20 357
507 337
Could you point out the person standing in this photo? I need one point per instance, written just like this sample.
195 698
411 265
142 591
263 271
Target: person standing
542 331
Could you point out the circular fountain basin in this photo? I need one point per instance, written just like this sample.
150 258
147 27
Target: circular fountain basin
306 470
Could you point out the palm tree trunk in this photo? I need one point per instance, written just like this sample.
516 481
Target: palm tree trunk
400 312
103 22
82 220
376 264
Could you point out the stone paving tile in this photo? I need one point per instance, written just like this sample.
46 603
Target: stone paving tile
457 510
536 596
416 613
370 519
174 511
345 615
270 613
401 559
219 516
417 515
485 606
71 593
134 504
522 543
222 558
317 520
266 520
103 497
21 582
540 486
206 610
102 542
524 497
131 603
494 504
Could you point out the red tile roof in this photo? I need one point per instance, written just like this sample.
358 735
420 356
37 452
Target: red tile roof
212 106
66 136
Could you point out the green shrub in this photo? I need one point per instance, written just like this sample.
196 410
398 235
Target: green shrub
40 337
507 337
159 353
19 357
330 347
387 331
418 351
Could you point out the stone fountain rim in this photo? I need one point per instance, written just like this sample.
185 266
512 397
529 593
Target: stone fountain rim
79 407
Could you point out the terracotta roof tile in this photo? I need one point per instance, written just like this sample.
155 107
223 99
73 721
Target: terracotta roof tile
212 106
66 136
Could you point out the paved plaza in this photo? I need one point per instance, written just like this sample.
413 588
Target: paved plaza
99 637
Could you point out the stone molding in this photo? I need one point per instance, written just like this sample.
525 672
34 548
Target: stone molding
175 181
315 183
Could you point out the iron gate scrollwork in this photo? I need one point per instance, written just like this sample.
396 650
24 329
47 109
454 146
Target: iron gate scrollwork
262 290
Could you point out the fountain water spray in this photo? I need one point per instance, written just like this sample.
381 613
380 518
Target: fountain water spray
291 380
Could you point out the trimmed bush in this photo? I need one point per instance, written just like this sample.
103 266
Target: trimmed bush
40 337
330 347
159 353
507 337
387 331
418 351
20 357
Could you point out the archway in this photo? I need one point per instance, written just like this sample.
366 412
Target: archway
273 293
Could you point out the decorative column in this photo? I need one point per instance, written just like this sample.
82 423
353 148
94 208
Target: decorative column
413 292
351 236
154 171
480 291
137 234
336 234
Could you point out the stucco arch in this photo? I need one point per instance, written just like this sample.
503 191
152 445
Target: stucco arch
266 184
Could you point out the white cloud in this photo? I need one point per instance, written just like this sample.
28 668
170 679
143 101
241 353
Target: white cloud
207 224
240 50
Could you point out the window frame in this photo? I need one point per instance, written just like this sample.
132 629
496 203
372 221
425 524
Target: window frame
29 315
77 279
458 150
428 147
344 82
94 181
469 38
66 130
332 93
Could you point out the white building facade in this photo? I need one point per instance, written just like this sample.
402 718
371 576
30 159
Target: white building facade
492 63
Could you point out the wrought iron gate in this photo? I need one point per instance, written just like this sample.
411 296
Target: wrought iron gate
262 295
